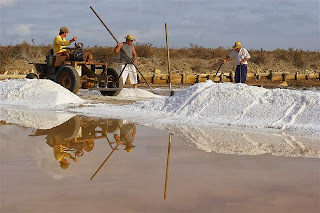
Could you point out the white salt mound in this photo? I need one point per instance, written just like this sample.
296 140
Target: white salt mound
240 105
36 94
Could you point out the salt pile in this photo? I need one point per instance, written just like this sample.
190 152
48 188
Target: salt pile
36 94
240 105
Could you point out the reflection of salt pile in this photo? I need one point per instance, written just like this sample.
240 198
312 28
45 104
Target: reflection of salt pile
35 94
240 105
240 142
36 119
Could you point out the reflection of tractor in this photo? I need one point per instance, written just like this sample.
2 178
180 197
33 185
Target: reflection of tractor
78 133
78 70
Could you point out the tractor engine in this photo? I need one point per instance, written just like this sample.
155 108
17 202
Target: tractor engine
76 53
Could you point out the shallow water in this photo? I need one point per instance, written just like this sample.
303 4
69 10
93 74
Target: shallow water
209 170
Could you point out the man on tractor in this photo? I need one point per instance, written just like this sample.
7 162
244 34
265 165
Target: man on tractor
60 42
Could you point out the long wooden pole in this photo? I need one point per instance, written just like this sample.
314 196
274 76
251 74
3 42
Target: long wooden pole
168 58
168 52
104 162
104 24
167 168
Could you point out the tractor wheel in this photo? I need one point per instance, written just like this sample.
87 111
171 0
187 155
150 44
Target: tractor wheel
88 145
69 78
70 128
112 76
32 76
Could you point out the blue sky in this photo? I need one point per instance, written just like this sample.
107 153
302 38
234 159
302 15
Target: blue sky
267 24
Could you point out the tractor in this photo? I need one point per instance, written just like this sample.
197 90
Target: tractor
79 133
78 70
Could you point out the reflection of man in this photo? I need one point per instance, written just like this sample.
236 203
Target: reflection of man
60 154
127 135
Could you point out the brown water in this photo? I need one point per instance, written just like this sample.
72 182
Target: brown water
31 179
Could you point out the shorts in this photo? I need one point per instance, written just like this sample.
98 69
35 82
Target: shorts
131 71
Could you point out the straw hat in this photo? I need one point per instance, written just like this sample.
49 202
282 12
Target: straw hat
64 30
129 147
130 37
237 44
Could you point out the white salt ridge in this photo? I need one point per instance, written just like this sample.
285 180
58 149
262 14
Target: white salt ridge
240 105
36 94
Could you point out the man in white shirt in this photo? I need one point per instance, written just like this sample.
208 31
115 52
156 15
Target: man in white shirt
241 56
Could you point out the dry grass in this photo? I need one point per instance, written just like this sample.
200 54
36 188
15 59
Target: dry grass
101 54
195 58
22 52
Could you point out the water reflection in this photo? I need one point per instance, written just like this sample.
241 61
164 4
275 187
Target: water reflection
247 141
75 137
127 135
128 132
224 179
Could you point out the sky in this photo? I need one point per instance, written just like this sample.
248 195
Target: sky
267 24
